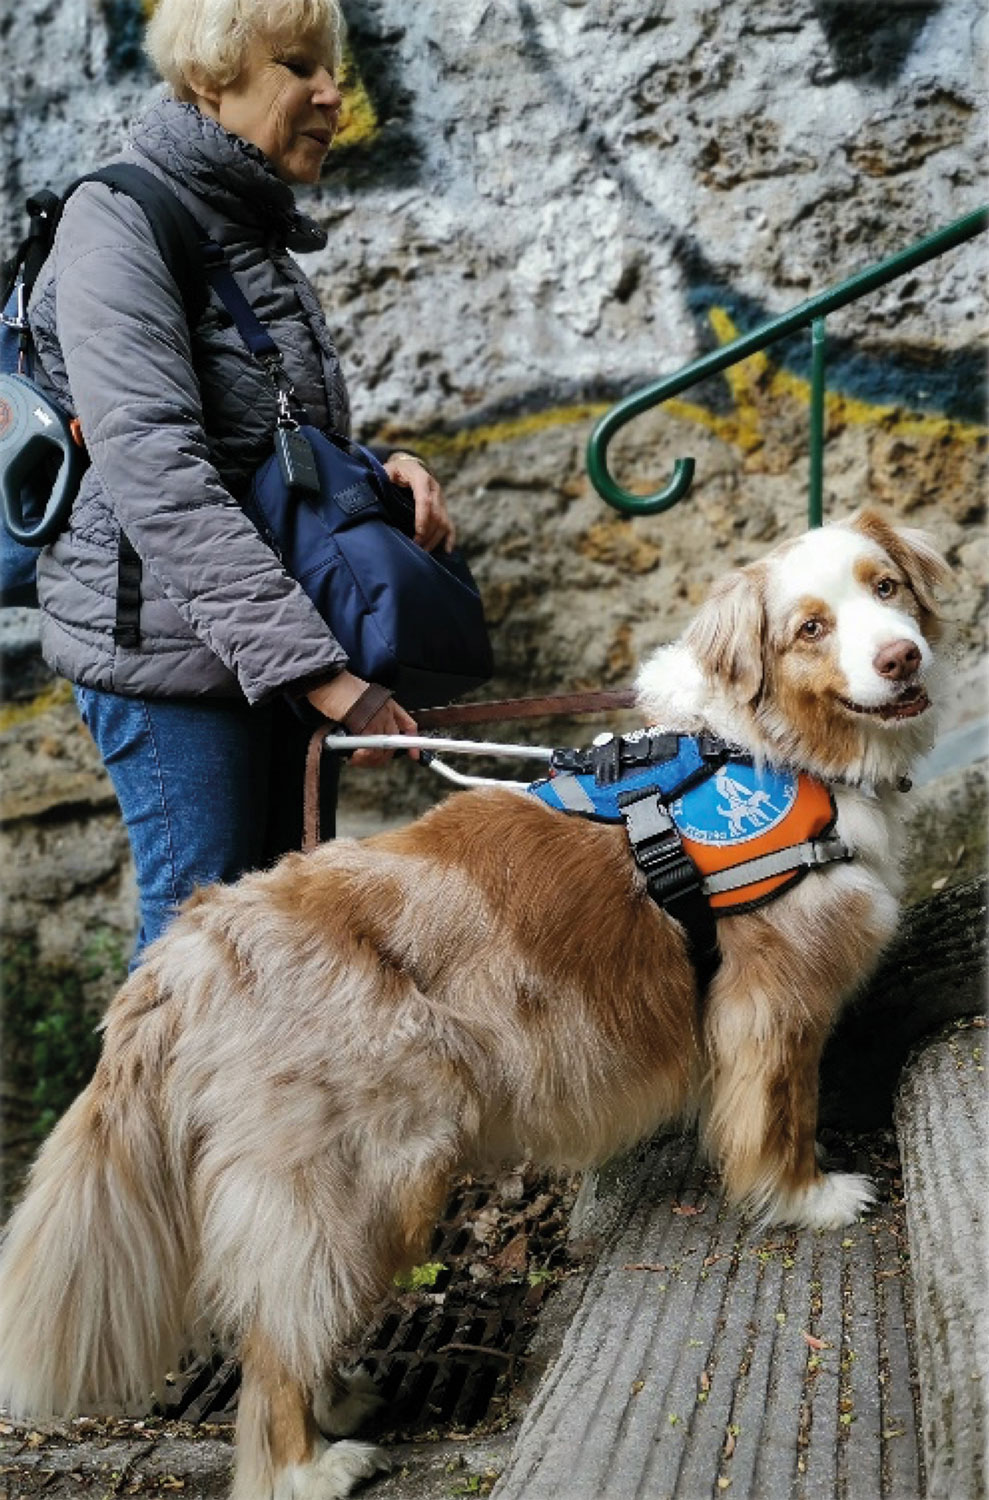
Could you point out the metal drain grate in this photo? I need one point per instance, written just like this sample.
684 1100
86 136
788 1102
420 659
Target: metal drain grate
444 1356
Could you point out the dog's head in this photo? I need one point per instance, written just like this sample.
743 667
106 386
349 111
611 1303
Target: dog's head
823 648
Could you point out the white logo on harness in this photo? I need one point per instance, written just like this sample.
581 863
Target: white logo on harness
737 804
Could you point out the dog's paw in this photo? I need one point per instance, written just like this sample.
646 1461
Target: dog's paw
342 1405
333 1474
835 1199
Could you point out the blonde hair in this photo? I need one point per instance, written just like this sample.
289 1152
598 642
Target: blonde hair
208 39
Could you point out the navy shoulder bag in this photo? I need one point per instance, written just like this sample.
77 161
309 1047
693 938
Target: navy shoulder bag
409 619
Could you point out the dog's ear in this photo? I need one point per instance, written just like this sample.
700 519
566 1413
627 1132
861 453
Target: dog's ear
727 638
911 550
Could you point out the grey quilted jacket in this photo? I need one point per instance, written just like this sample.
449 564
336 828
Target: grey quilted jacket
175 423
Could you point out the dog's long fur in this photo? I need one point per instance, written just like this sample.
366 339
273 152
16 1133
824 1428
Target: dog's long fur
303 1062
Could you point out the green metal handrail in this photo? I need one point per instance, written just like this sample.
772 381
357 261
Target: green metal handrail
812 312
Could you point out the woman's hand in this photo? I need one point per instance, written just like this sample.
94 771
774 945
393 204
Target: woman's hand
336 698
433 524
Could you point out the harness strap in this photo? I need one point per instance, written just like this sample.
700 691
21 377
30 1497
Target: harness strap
806 856
671 877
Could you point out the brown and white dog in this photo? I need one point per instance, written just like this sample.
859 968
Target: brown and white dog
303 1062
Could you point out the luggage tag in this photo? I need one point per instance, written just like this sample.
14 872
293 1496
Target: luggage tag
297 462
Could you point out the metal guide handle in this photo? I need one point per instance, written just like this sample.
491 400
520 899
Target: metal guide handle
429 744
343 743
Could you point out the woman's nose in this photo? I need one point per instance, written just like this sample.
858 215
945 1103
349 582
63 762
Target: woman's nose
326 94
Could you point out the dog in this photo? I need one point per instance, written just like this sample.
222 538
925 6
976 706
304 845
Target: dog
293 1076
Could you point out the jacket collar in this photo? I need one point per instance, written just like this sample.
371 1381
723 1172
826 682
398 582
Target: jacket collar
225 171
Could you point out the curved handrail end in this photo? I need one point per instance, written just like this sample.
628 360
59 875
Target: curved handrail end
625 500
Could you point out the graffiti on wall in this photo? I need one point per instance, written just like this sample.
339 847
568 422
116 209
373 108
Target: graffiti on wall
925 392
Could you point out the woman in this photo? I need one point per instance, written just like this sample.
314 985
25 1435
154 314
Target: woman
193 713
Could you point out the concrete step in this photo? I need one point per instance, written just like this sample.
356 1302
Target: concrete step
941 1120
706 1358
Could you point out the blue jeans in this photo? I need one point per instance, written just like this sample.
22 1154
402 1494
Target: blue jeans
208 789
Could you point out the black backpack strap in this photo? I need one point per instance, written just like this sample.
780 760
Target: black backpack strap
178 234
126 629
179 238
44 210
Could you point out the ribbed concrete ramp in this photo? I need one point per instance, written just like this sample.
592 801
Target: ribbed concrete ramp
706 1359
941 1119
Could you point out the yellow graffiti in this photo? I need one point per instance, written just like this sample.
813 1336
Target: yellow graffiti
13 715
750 383
358 117
511 430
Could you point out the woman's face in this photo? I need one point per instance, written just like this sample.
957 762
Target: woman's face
285 101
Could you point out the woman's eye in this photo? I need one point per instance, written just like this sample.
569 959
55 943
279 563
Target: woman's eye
297 65
812 630
886 588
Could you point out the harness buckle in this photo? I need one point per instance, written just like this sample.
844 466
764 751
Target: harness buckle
656 846
606 759
569 759
825 851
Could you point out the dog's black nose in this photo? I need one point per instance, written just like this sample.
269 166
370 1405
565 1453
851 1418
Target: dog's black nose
898 660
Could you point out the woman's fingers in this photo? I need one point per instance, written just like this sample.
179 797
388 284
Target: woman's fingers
391 718
433 526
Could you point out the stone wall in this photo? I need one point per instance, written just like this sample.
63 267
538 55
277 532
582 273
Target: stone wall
536 207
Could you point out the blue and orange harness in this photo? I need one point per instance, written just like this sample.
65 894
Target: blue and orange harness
713 832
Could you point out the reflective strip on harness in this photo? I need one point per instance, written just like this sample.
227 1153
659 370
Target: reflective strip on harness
757 872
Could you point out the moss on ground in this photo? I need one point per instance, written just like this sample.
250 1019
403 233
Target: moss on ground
50 1040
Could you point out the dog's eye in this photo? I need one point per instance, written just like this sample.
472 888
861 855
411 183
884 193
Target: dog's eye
812 630
886 588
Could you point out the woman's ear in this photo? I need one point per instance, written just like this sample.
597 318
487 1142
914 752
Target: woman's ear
203 92
727 637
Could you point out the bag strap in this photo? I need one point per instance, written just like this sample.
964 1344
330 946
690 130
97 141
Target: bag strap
225 285
255 336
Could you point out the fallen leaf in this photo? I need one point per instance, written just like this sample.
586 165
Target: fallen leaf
539 1205
687 1210
646 1265
485 1226
511 1187
813 1342
514 1257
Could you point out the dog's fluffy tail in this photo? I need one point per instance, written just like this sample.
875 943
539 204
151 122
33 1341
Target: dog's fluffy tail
93 1267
